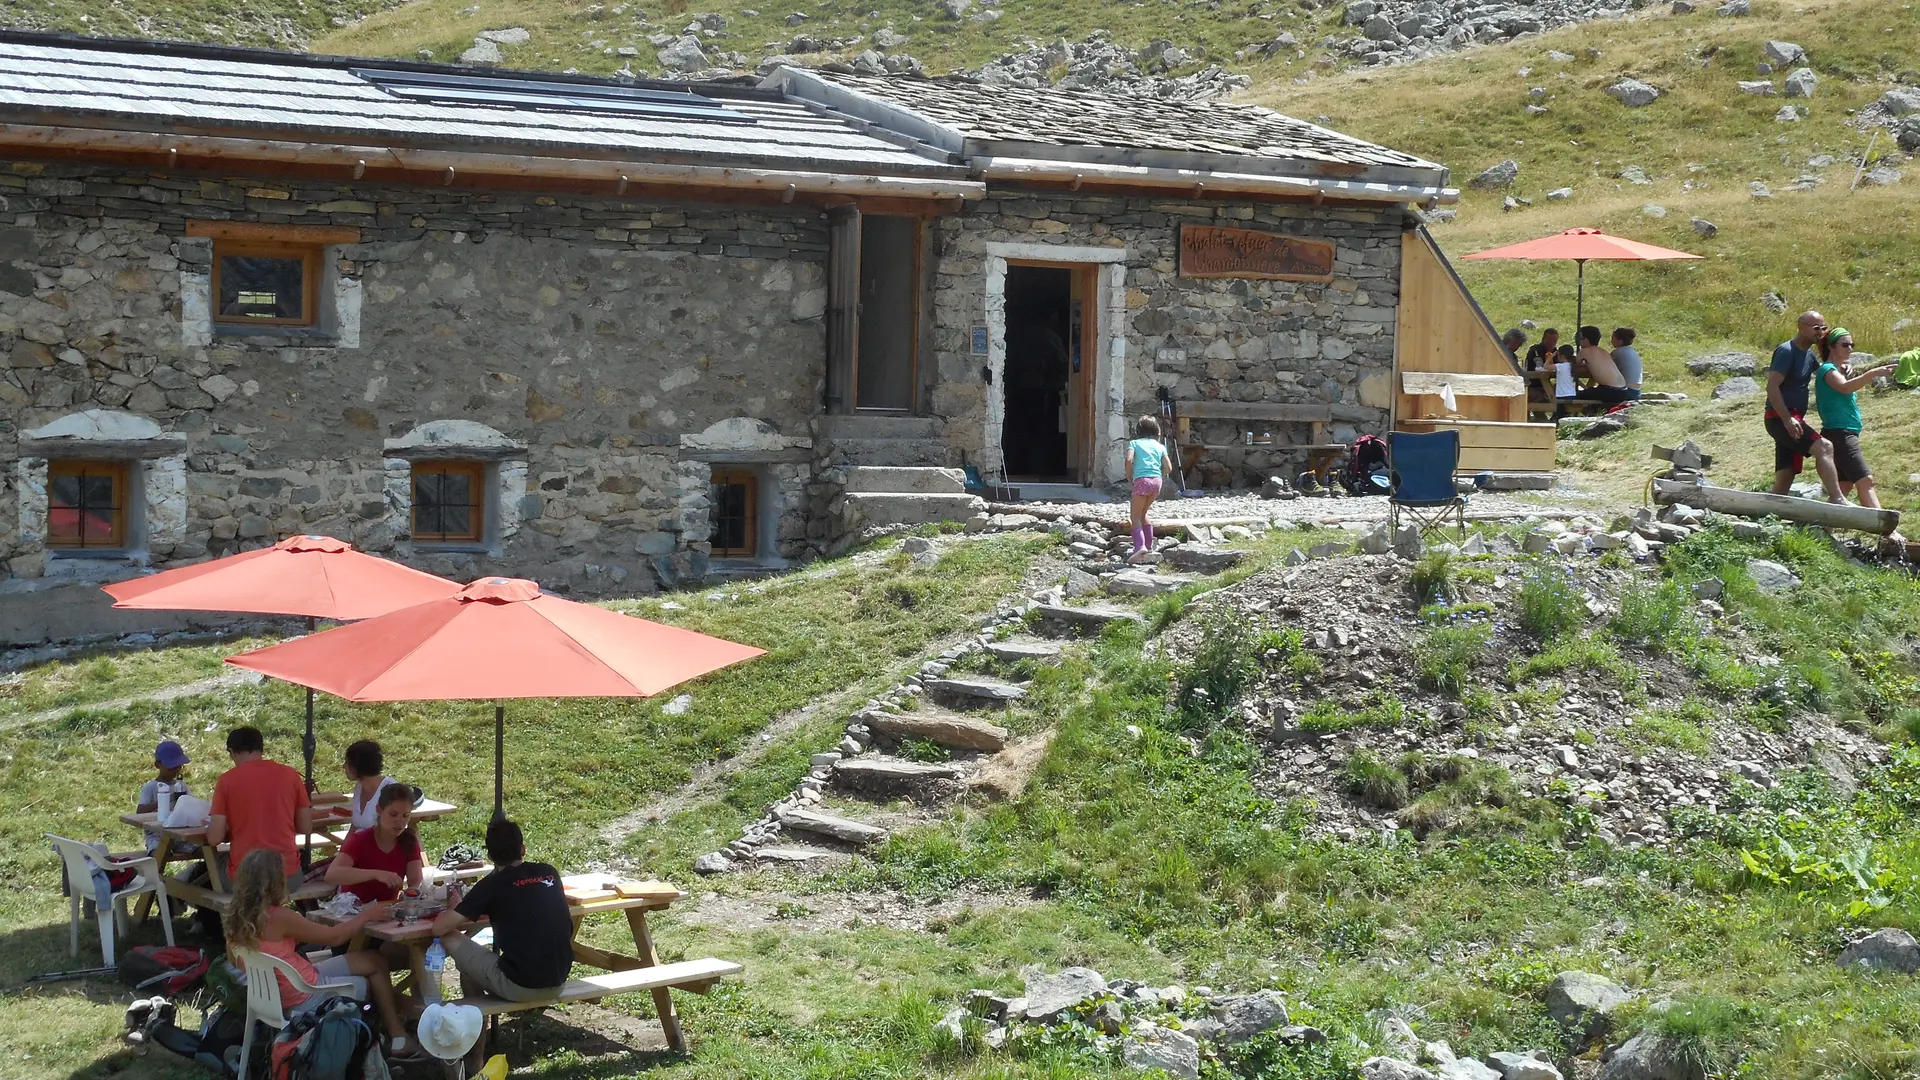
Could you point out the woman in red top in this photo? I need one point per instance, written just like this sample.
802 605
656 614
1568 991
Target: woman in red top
375 864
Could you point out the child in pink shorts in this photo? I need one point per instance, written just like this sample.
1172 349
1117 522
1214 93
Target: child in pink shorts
1146 464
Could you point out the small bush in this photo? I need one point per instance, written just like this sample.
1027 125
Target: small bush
1476 797
1444 660
1376 782
1212 682
1286 650
1552 603
925 751
1432 578
1328 716
1573 654
1703 1032
1683 728
1656 616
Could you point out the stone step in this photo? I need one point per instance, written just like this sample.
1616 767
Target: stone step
888 452
790 855
886 508
906 481
1015 651
1204 560
1092 617
975 692
886 776
839 828
1141 583
948 729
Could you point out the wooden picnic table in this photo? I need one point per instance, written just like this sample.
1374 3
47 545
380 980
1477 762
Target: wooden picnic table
172 842
417 935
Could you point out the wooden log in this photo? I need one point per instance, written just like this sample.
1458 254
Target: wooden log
1763 504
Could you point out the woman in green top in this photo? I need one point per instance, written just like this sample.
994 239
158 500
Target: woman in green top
1834 389
1146 462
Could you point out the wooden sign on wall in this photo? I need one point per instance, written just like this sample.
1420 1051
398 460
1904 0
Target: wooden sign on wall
1207 251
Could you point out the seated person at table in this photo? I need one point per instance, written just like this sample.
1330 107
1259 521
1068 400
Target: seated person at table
260 919
365 767
1626 357
1608 384
1541 357
169 761
527 907
259 804
375 864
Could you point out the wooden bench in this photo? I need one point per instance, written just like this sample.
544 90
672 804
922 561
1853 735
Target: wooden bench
695 976
1321 454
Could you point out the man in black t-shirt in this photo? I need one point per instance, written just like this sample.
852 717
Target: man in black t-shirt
1788 376
527 908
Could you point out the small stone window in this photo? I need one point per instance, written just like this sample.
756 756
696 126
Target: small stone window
734 512
88 504
449 502
266 282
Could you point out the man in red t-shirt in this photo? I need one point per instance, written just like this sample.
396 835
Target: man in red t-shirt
259 803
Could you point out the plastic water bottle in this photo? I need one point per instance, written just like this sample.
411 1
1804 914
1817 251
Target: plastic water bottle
436 963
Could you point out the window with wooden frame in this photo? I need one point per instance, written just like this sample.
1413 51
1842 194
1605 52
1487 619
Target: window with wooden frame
734 511
449 502
87 504
266 282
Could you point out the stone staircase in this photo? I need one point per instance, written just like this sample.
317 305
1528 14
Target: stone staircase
908 495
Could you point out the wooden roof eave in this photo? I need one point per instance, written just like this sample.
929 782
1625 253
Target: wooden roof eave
1305 168
192 150
1208 183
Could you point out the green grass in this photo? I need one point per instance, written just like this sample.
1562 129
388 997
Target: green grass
1682 728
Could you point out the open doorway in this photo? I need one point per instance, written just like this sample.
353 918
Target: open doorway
1048 371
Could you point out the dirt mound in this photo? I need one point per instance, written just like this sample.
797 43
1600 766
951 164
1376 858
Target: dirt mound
1382 710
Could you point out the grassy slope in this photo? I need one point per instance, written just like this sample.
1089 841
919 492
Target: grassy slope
1851 256
572 767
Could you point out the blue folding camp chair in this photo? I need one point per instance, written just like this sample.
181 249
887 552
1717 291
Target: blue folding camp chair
1422 470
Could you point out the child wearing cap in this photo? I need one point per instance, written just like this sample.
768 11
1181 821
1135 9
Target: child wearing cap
159 794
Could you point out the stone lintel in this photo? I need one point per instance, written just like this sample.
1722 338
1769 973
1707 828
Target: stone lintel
167 445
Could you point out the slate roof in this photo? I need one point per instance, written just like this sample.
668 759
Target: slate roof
984 113
187 89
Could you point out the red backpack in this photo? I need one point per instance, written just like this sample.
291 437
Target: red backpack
162 969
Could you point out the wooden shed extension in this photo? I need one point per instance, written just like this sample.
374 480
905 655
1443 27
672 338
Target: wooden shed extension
1445 343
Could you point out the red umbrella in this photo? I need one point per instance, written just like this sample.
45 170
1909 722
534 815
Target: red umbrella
498 638
315 576
1581 245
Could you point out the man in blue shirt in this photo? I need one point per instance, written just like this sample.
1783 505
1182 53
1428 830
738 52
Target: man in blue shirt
1788 377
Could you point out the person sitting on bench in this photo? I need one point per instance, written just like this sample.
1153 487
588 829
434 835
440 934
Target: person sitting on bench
1609 385
527 908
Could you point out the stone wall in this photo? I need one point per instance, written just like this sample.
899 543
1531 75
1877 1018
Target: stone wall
1227 339
590 334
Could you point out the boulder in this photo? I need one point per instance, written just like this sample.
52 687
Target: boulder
1583 1004
1703 227
1756 87
1650 1057
1740 386
1733 9
1466 1069
714 863
1051 996
1529 1066
1635 94
1246 1016
1732 363
1771 577
683 54
1559 193
1141 583
1901 100
1386 1068
1801 83
1782 53
1152 1047
1203 560
1498 176
1883 950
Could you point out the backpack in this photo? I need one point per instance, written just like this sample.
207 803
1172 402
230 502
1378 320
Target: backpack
1366 457
170 970
327 1040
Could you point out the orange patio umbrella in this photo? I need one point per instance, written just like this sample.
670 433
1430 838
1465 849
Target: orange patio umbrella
315 576
1580 245
497 639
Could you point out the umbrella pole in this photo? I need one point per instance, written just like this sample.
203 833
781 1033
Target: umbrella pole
1580 300
307 746
499 760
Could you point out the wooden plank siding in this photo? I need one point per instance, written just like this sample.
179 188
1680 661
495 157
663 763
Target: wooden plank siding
1442 332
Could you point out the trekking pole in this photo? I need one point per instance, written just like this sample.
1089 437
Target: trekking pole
1864 158
1173 443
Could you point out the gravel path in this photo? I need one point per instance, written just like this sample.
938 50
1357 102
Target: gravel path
1558 502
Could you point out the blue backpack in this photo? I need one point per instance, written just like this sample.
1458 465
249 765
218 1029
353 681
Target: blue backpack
327 1040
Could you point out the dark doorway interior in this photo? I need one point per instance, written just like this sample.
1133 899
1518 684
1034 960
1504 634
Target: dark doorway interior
1039 311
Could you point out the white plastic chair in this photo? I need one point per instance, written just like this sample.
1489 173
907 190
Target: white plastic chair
81 859
263 993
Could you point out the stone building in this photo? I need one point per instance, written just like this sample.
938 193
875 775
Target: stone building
620 336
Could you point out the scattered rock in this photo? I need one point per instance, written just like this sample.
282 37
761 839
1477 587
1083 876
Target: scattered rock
1782 53
1653 210
714 863
1703 227
1528 1066
1801 83
1466 1069
684 54
1883 950
1650 1057
1790 114
1141 583
1202 560
1635 94
1498 176
1729 363
1771 577
1881 176
1774 302
1757 87
1760 190
1386 1068
1740 386
1583 1004
1734 8
1051 996
1634 174
1153 1047
1242 1018
483 52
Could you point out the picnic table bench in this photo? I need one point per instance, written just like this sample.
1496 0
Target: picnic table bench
626 973
1321 455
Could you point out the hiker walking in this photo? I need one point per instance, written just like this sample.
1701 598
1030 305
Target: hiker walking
1788 378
